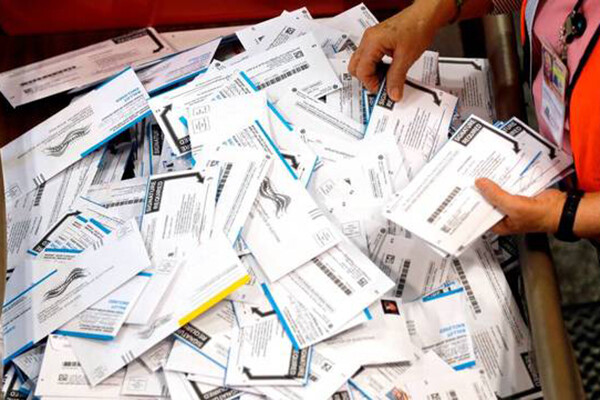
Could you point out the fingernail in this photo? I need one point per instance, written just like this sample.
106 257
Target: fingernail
395 94
479 184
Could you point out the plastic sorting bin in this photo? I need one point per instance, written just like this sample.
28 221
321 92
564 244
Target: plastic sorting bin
558 369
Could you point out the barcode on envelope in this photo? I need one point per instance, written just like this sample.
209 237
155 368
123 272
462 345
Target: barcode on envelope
38 195
332 276
223 180
285 75
123 203
463 279
444 204
402 279
71 364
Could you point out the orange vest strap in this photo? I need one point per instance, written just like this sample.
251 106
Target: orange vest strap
584 120
523 25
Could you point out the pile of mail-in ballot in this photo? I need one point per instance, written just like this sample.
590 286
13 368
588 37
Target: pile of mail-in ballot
208 223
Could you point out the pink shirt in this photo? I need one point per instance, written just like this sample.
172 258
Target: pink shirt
550 16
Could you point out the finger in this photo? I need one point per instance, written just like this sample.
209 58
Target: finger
366 69
354 61
396 76
494 194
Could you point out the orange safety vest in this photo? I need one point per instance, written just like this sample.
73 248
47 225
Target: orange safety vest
583 111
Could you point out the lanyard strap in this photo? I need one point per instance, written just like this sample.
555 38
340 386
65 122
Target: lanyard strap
584 59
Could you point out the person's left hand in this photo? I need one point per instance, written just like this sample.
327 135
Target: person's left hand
540 213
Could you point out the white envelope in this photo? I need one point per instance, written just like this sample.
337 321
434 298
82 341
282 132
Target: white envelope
470 79
438 323
62 376
169 107
179 67
441 204
318 299
420 122
354 21
492 313
43 298
103 319
382 340
187 359
263 355
273 231
82 67
210 334
73 133
139 381
156 357
211 272
298 63
251 36
329 370
302 108
414 266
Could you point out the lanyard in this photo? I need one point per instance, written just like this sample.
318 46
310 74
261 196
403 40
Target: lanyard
584 58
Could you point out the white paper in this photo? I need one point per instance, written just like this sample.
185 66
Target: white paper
178 206
349 99
42 298
168 108
415 267
449 205
272 230
301 109
354 21
383 339
263 355
329 369
81 67
211 272
419 122
211 333
156 357
61 375
251 36
470 80
72 134
298 63
123 198
322 296
139 381
103 319
493 317
437 322
30 362
179 67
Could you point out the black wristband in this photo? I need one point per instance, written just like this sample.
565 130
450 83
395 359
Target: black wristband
567 218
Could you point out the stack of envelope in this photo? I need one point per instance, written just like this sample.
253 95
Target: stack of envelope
211 225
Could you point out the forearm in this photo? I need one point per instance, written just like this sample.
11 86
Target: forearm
587 219
441 12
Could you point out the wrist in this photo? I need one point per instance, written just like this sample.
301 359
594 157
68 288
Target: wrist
553 212
437 12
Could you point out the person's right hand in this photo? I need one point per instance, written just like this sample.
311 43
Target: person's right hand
403 37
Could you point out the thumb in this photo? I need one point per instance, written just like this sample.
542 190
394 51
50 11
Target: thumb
493 194
396 76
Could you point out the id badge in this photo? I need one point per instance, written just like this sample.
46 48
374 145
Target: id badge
554 87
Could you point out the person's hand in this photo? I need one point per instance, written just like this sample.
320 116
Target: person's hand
403 37
540 213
